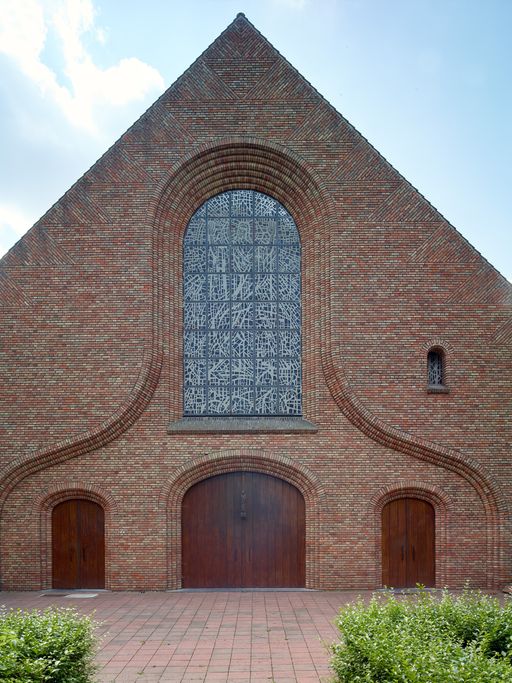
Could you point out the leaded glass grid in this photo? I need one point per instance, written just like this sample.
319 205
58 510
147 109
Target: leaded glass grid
242 312
435 368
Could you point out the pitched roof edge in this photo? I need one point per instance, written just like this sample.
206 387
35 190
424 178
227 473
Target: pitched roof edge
240 17
381 156
130 127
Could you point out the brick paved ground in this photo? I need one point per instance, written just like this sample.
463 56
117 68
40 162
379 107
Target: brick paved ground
240 637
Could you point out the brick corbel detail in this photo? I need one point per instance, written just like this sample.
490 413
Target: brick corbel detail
249 460
58 493
442 505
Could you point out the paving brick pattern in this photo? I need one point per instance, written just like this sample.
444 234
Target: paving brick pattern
241 637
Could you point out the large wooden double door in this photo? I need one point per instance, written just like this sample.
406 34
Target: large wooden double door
78 545
408 543
243 529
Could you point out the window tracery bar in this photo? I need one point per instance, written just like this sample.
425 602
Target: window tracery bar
435 368
242 317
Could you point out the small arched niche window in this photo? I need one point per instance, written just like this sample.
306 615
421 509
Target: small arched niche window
242 312
436 369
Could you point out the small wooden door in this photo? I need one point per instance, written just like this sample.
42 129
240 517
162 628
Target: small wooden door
243 529
408 543
78 545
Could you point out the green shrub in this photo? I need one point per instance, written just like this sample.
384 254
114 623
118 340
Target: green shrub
465 639
56 645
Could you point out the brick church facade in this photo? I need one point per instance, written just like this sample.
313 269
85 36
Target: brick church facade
242 350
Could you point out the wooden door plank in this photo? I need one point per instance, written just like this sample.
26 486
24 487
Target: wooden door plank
91 548
211 533
421 542
394 544
274 543
65 573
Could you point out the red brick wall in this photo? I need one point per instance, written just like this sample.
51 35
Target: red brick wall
92 317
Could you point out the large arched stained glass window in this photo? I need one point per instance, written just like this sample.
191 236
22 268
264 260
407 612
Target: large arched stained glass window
242 317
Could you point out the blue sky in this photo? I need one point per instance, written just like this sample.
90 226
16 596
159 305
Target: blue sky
427 82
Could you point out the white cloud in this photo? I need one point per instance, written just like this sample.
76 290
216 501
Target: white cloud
101 36
13 219
25 29
13 224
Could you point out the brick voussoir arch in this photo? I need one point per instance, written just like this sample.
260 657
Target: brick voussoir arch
247 460
237 163
58 493
226 165
442 504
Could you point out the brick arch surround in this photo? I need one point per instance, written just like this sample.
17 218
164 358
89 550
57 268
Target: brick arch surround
243 163
249 460
59 493
251 163
442 505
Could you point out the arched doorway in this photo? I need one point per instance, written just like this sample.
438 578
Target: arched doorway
78 545
243 530
408 543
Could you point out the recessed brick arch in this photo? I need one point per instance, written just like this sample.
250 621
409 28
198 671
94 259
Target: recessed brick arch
231 164
242 163
59 493
437 342
442 505
248 460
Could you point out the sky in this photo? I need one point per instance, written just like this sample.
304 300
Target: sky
427 82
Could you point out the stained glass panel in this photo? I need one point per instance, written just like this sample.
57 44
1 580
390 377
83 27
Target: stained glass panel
242 314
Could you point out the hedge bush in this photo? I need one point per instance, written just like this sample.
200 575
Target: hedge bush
56 645
464 639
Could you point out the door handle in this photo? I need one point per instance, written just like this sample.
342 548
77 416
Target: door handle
413 553
402 550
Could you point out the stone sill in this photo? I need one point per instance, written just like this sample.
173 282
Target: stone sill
241 425
437 389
